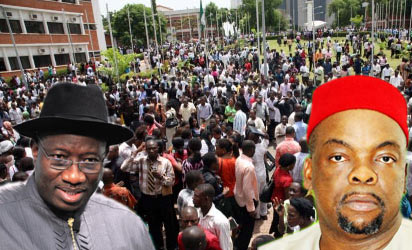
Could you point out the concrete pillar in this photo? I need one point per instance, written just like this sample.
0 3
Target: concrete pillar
82 25
23 26
52 56
6 59
32 64
46 28
87 53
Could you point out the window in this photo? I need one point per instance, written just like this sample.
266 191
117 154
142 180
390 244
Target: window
34 27
89 26
69 1
80 57
42 61
15 26
2 64
62 59
55 28
14 65
96 54
75 28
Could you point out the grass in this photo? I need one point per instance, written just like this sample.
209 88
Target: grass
393 62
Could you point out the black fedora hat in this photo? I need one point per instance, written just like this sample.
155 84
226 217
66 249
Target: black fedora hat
73 109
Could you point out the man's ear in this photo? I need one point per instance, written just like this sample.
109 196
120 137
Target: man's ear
34 150
307 173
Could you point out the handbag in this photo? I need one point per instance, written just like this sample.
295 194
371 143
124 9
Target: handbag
172 122
266 194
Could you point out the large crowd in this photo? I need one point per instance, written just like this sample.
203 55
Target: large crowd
203 130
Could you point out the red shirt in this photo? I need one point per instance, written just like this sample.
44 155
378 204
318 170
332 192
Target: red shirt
227 174
248 66
211 239
120 194
282 180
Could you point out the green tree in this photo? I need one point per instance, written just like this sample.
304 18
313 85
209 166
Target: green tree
123 62
357 21
344 8
120 24
271 14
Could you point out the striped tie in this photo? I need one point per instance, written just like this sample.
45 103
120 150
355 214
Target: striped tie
150 179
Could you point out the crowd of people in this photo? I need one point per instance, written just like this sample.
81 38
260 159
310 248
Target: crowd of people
200 151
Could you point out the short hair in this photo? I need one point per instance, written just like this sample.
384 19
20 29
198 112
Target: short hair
287 160
178 142
290 130
148 119
20 176
247 145
217 130
304 207
225 144
192 177
195 144
186 134
208 159
26 164
298 116
207 190
261 240
193 237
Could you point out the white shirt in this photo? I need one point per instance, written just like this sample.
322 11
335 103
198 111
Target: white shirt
259 159
297 170
125 151
396 80
239 123
186 112
184 199
309 238
258 123
217 223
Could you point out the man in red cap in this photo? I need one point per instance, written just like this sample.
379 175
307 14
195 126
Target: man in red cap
357 135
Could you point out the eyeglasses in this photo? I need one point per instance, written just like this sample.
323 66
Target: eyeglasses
91 166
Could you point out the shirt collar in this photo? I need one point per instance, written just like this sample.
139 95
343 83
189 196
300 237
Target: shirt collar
246 157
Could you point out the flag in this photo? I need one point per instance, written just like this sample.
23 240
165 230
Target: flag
202 17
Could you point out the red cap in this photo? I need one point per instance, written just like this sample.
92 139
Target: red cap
358 92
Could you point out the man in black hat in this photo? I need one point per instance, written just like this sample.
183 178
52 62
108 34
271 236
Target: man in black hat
57 207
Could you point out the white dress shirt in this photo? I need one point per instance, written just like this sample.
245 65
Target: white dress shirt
217 223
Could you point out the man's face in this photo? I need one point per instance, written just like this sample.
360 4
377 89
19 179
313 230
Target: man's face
189 219
284 120
198 198
70 189
357 171
152 150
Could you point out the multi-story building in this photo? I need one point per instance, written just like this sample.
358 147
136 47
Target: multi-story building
234 4
49 32
183 25
296 11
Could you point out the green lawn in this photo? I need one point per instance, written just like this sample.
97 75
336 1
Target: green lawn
392 61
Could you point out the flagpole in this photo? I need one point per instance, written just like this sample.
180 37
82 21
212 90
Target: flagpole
190 24
155 34
112 40
131 38
257 25
145 27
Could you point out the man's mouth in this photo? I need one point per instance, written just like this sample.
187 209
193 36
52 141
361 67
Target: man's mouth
70 195
362 202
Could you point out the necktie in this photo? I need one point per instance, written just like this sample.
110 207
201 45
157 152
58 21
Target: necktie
150 179
70 222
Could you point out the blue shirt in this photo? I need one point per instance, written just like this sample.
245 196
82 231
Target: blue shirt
300 130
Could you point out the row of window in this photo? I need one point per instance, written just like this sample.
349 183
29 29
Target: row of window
41 61
38 27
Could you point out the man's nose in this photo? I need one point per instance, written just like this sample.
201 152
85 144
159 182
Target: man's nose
363 174
73 175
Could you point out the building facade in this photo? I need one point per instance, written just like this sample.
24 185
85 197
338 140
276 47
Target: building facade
235 4
184 25
299 12
49 32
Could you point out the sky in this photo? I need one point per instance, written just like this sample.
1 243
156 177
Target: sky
174 4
